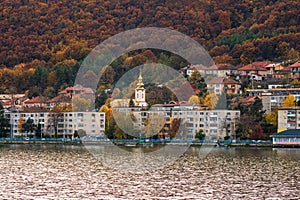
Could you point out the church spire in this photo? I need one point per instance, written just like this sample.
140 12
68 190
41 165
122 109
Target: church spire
140 84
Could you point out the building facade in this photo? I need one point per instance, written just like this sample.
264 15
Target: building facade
288 118
215 124
272 98
66 123
287 138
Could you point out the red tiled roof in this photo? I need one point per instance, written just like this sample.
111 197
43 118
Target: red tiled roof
217 80
249 99
59 99
77 88
296 64
255 66
286 69
7 103
230 81
38 99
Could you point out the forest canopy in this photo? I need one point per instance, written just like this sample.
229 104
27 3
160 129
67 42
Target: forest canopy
50 32
42 43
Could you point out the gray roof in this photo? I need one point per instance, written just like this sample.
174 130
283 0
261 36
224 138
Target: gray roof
288 133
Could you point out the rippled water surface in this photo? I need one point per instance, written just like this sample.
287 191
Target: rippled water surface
71 172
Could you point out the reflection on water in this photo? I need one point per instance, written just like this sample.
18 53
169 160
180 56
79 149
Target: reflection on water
64 172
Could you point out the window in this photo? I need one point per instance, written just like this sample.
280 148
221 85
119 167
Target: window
80 115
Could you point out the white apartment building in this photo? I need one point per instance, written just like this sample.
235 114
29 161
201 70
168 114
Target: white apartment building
288 118
215 124
91 123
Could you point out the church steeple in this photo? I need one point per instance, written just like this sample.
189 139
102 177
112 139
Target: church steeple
140 84
140 93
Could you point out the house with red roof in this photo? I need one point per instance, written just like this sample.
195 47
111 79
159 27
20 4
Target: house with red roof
295 69
76 90
231 86
59 100
255 70
65 96
219 84
38 102
247 101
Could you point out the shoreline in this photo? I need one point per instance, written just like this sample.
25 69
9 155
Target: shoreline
79 142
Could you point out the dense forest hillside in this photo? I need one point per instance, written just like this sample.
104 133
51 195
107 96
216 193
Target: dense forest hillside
47 32
42 43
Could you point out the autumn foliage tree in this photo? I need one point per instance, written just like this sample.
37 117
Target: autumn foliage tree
289 101
211 100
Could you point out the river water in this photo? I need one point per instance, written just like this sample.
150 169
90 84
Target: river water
71 172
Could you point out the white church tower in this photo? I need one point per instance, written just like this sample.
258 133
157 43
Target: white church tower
140 93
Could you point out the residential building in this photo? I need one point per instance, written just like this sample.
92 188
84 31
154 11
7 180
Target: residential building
215 124
272 98
216 85
288 118
232 87
295 70
219 84
58 101
77 90
37 102
203 70
91 123
218 70
255 71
